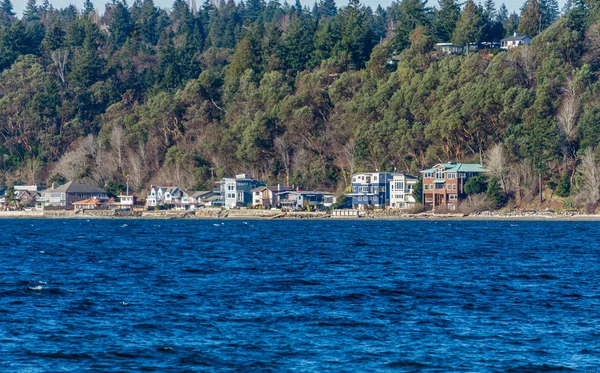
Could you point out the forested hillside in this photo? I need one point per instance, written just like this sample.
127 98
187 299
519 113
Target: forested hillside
291 94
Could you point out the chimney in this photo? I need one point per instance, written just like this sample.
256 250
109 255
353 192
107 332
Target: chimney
279 187
53 185
516 34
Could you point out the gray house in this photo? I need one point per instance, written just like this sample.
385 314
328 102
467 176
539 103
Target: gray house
70 192
237 191
300 200
514 41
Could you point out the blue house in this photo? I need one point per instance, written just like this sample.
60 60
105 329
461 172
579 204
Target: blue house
371 189
237 191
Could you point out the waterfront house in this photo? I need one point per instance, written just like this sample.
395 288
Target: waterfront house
163 196
296 200
237 191
401 188
90 204
192 199
371 189
2 197
214 201
514 41
265 197
443 184
125 202
68 193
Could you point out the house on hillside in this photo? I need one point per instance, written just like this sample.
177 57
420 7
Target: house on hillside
295 200
68 193
163 196
449 48
371 189
443 184
401 188
237 191
265 197
514 41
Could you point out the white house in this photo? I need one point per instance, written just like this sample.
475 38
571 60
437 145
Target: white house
514 41
161 195
401 187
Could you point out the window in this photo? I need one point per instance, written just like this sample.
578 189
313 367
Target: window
375 198
431 186
452 175
448 186
359 198
439 174
429 174
354 188
453 186
426 186
452 197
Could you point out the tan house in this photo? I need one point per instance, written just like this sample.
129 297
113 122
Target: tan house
265 197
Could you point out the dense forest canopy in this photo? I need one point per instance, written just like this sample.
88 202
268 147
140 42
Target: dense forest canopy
298 95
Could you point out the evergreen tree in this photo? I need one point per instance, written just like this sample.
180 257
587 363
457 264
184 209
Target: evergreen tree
120 23
327 8
412 13
550 12
445 20
469 27
31 11
494 192
530 22
88 7
253 11
298 44
475 185
147 22
356 35
417 191
6 7
502 14
512 24
564 186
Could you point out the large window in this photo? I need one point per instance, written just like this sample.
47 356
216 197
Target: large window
439 174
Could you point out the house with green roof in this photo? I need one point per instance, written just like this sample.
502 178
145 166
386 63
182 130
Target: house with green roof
443 184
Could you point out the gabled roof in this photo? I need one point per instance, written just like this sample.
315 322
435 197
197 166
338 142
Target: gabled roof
89 201
516 38
305 192
456 167
406 176
73 187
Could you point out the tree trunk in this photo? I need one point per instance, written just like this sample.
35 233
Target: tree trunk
540 187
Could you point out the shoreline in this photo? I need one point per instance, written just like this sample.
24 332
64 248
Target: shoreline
269 215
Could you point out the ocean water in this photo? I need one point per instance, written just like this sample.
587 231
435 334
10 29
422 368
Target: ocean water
299 296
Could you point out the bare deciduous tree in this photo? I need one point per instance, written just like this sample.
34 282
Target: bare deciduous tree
60 58
497 165
117 144
284 148
346 160
592 43
73 163
589 191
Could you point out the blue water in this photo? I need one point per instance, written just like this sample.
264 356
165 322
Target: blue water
299 296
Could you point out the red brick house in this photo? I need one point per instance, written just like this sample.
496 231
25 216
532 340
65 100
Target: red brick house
443 184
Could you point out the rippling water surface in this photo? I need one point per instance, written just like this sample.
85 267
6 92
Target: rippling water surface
408 296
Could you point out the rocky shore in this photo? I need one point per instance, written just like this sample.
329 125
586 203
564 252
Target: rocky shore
277 214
